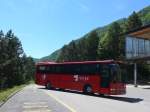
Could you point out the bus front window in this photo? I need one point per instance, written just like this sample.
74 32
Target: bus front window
115 73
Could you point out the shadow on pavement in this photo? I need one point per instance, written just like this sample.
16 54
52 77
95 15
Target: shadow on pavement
118 98
125 99
147 88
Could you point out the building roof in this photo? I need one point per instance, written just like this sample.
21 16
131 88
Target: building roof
142 32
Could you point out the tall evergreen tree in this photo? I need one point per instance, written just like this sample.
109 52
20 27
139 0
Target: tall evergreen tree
63 54
92 46
14 50
28 68
82 49
133 22
2 79
1 40
73 51
12 69
109 48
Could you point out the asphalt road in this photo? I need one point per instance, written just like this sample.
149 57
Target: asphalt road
35 98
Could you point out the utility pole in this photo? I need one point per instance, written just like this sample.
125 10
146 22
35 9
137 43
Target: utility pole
135 75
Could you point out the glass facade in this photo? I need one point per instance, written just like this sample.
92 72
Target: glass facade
137 48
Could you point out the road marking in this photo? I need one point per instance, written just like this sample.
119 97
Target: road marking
34 103
35 107
37 111
61 102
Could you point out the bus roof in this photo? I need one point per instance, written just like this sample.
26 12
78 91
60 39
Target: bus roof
81 62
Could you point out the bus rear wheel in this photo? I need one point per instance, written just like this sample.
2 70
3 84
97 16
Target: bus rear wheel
87 89
48 86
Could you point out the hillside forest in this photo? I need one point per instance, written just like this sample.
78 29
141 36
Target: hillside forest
106 42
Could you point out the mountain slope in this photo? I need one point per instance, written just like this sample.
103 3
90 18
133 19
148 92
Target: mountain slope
144 15
51 57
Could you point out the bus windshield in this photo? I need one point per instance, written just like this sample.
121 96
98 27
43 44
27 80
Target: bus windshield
115 73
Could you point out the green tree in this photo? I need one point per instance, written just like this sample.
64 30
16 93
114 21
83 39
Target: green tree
63 54
15 68
109 47
13 61
72 51
133 22
28 68
92 46
82 49
2 78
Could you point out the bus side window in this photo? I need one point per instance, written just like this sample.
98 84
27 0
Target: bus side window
65 69
105 77
50 69
88 69
68 69
104 71
77 69
58 69
84 69
41 69
97 66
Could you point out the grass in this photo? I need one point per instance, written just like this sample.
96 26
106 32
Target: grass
4 94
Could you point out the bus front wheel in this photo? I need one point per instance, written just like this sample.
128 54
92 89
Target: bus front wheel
87 89
48 86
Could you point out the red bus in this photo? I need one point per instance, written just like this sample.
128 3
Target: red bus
103 77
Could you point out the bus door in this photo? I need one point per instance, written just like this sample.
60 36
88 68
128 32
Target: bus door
105 76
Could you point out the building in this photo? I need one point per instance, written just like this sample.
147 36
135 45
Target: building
138 47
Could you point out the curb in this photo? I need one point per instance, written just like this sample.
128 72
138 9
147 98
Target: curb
139 86
10 96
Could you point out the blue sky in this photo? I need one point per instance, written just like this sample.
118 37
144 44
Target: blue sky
44 26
